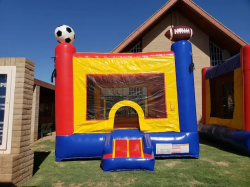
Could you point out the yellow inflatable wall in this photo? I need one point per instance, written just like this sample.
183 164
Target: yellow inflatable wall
111 72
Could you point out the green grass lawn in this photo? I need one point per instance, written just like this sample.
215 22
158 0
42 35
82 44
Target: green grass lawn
217 166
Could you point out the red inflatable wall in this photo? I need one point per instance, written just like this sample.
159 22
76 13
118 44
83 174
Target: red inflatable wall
64 84
245 65
203 78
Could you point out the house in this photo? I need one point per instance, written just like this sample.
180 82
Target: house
212 42
43 108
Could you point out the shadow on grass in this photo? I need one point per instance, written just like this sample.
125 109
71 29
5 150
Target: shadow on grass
79 159
83 159
39 157
176 158
7 184
219 144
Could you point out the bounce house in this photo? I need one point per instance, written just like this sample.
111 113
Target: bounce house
226 101
127 108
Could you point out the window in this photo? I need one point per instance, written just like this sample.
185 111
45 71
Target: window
216 55
137 48
7 85
45 110
134 91
3 82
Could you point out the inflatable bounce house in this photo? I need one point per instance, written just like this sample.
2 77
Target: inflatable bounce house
226 101
126 109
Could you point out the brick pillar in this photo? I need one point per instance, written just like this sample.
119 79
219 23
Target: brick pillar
17 167
35 114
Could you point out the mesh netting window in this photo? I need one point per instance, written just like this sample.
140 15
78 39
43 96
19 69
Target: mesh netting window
228 99
104 91
222 96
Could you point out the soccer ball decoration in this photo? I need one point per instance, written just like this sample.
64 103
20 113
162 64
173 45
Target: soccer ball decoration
64 34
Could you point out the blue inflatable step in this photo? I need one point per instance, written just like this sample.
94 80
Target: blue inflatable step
128 154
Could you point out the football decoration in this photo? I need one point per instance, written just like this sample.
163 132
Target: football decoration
64 34
179 33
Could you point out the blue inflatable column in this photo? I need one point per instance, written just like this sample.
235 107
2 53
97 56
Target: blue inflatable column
185 85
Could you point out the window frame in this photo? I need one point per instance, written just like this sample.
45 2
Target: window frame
137 48
217 54
5 147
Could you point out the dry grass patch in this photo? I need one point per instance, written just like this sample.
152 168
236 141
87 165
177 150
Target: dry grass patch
172 163
195 183
75 185
221 163
129 182
58 184
101 184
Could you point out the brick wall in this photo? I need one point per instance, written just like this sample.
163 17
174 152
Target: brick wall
17 166
35 114
155 40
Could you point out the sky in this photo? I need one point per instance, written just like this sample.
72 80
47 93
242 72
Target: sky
27 26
